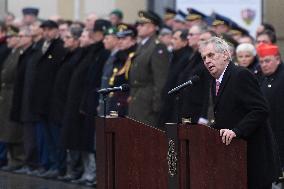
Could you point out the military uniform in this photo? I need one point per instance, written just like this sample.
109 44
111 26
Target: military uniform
148 74
120 71
118 100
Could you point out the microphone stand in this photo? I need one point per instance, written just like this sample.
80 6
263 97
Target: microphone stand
105 106
178 97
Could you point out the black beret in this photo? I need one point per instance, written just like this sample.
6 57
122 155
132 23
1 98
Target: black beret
101 25
49 24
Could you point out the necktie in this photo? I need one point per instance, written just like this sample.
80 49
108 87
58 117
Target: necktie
217 87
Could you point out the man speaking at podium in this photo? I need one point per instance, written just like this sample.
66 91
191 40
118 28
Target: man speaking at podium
240 111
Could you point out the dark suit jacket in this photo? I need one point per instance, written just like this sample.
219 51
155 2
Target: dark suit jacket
240 106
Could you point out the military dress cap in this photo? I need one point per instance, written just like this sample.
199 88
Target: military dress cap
111 31
169 13
267 50
194 14
12 31
118 13
101 25
230 40
220 20
237 30
49 24
166 30
149 17
30 11
125 30
180 16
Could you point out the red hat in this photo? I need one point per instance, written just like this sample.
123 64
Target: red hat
267 50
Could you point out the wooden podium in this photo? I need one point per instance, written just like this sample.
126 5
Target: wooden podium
204 162
132 155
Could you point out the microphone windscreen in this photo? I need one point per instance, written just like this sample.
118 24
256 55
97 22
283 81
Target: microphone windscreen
125 87
195 78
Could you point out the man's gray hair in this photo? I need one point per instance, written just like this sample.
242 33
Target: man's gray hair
220 45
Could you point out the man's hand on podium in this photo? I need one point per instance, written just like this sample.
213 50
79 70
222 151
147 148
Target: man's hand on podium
227 135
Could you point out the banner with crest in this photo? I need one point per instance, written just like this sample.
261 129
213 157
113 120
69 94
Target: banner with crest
247 13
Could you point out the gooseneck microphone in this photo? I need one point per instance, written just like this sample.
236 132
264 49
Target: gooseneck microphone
192 80
123 88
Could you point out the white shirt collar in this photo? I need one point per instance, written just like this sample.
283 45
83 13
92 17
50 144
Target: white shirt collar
144 40
222 75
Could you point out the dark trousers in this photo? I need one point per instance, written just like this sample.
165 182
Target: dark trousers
30 144
57 154
42 145
3 153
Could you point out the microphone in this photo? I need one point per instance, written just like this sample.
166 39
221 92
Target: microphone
123 88
193 80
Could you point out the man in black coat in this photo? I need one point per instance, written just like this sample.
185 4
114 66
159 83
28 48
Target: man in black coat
82 101
193 103
272 87
241 111
21 111
59 97
90 100
181 54
45 73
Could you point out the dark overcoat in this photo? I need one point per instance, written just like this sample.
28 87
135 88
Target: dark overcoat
46 70
241 107
75 132
273 89
10 131
178 63
21 107
193 100
61 85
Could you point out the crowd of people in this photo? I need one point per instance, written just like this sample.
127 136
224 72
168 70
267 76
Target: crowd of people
51 71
